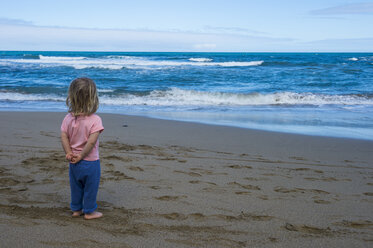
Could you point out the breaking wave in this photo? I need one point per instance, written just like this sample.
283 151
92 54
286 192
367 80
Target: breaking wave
180 97
200 59
14 96
119 62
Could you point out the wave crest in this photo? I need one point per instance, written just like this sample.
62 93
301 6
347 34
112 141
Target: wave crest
120 62
200 59
180 97
14 96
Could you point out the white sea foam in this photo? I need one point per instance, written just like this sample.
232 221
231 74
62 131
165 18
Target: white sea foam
200 59
179 97
353 59
231 64
368 58
13 96
120 57
120 62
60 58
105 90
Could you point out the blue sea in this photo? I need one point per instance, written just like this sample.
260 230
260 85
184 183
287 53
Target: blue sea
327 94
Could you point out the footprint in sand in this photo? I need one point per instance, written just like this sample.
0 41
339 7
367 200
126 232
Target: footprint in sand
8 182
116 175
169 198
117 146
115 157
319 201
308 169
356 224
236 166
47 181
167 159
256 178
269 174
6 190
194 181
298 158
244 216
284 190
193 174
301 169
48 134
257 217
197 216
299 190
242 193
136 168
155 187
307 229
247 186
328 179
214 189
3 171
263 197
109 165
198 181
174 216
179 216
207 172
152 165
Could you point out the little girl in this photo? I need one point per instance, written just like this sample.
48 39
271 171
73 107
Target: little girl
79 136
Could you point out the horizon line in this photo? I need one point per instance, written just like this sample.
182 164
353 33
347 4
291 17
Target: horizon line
112 51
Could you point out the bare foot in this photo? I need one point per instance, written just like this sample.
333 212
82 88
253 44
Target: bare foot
77 213
94 215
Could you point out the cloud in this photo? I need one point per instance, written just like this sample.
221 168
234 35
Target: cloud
346 9
8 21
23 35
232 30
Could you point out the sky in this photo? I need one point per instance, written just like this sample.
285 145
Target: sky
187 25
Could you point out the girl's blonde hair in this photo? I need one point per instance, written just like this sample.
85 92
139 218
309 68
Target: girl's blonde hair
82 97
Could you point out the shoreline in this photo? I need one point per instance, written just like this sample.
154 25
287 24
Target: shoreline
181 184
203 123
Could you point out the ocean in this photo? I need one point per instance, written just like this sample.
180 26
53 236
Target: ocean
327 94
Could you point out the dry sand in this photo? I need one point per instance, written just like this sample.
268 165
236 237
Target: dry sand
177 184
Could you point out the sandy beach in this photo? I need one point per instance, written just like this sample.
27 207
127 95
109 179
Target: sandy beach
178 184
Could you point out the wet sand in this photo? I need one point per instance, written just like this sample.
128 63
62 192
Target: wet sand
178 184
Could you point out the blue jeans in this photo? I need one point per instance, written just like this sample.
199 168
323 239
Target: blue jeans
84 182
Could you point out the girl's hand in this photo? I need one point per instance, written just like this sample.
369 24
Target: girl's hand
76 158
69 156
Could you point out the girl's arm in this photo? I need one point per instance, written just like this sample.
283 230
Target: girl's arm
91 142
66 146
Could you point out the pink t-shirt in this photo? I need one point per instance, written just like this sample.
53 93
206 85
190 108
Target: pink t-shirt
78 130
